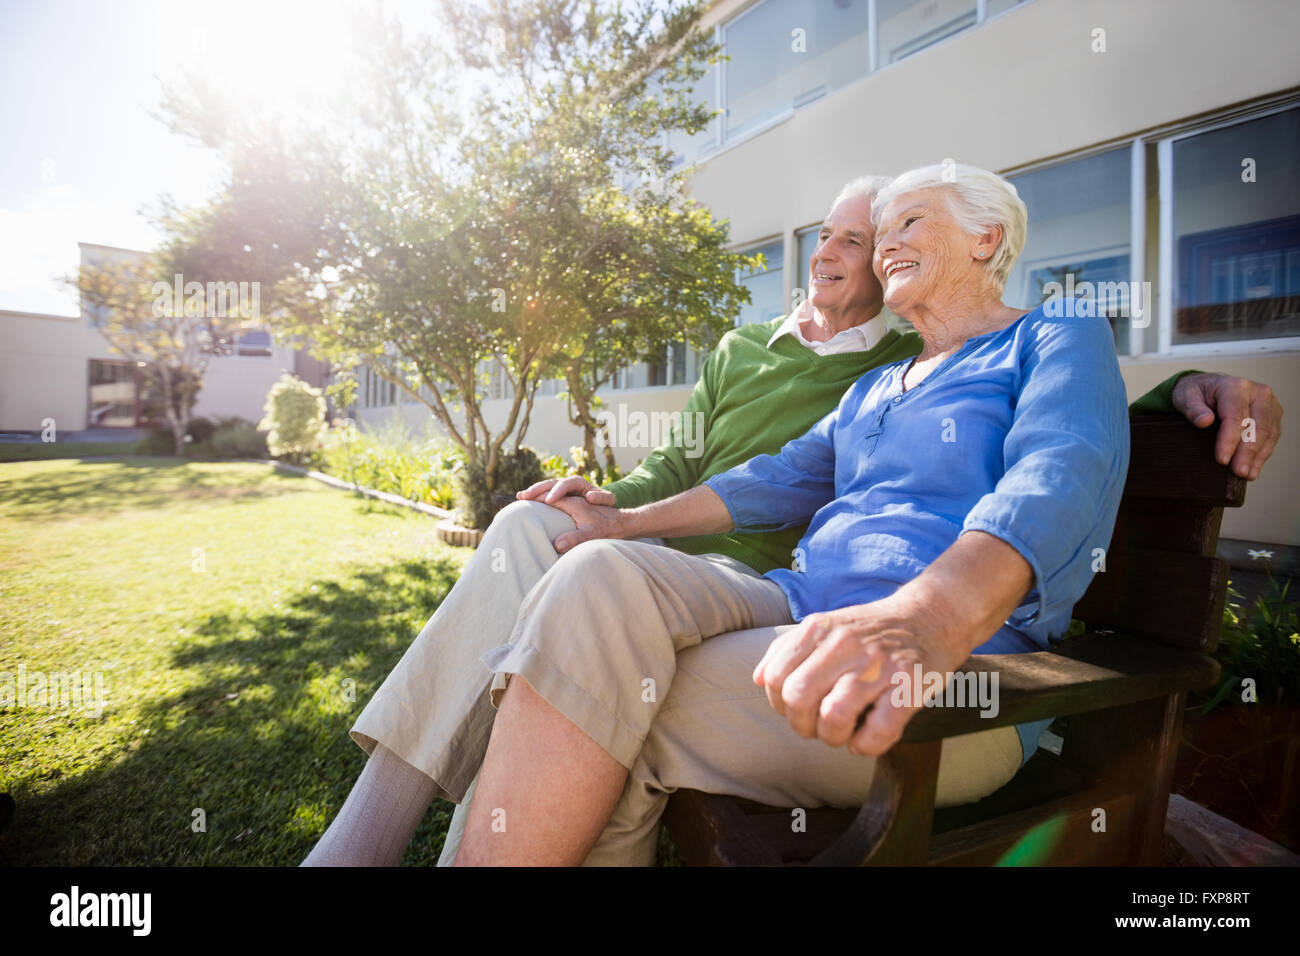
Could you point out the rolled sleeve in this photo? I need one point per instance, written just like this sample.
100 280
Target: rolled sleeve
774 492
1066 458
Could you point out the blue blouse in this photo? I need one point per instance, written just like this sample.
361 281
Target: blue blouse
1022 434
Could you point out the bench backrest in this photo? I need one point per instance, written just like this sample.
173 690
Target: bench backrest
1161 580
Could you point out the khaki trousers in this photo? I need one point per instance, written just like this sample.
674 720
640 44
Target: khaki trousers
614 638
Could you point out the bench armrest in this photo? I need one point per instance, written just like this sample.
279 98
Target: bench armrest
1093 672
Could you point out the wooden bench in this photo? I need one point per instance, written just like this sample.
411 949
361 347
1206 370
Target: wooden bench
1118 692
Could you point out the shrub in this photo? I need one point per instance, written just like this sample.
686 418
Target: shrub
1260 642
513 473
200 429
236 438
295 419
159 441
416 468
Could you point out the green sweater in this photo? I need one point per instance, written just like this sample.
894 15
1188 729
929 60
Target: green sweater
754 399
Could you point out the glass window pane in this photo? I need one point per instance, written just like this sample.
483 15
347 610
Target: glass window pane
1078 236
1236 235
765 287
784 53
112 394
906 26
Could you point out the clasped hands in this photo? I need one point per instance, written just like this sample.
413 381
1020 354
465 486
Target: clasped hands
823 673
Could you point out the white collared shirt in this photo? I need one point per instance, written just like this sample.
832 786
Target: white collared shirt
859 338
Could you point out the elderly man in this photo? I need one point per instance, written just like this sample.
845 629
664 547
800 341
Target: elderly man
427 727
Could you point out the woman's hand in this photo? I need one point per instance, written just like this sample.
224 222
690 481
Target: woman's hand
825 672
553 489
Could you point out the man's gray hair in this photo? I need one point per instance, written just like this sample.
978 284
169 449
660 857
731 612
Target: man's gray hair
867 186
977 199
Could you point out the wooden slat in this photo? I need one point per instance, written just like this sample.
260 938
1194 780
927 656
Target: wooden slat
1184 527
1133 746
1061 828
1171 459
710 830
1175 599
893 828
1086 673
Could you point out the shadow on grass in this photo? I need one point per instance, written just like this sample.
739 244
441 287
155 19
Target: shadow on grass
259 743
102 487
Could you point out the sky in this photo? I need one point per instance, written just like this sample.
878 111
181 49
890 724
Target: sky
82 159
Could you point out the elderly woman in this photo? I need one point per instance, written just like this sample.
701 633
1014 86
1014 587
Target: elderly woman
955 502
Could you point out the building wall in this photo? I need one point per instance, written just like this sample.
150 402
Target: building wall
44 370
237 384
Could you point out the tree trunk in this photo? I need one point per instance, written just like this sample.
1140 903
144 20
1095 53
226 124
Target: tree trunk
583 417
175 419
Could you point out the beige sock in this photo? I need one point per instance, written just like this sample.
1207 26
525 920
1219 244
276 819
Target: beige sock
379 817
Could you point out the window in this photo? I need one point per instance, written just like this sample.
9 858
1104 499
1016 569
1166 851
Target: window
784 54
253 342
1231 199
766 287
1079 236
114 394
788 53
906 26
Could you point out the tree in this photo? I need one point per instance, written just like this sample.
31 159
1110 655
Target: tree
133 302
543 228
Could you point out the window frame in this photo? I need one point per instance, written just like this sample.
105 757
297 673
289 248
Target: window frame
1167 252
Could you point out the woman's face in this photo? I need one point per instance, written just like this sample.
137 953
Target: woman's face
922 254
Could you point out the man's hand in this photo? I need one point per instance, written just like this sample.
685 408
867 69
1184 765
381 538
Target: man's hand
826 671
1206 394
593 521
553 489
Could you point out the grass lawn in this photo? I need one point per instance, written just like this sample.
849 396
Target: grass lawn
41 451
226 607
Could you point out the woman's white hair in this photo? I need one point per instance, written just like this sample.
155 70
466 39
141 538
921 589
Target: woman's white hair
977 199
867 186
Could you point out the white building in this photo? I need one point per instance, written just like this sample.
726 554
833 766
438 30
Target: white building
60 368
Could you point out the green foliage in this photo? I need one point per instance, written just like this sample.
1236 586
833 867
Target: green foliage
513 473
580 463
200 429
228 437
158 441
1260 642
236 438
538 219
418 469
294 419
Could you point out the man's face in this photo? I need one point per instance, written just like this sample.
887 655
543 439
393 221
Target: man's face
841 280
